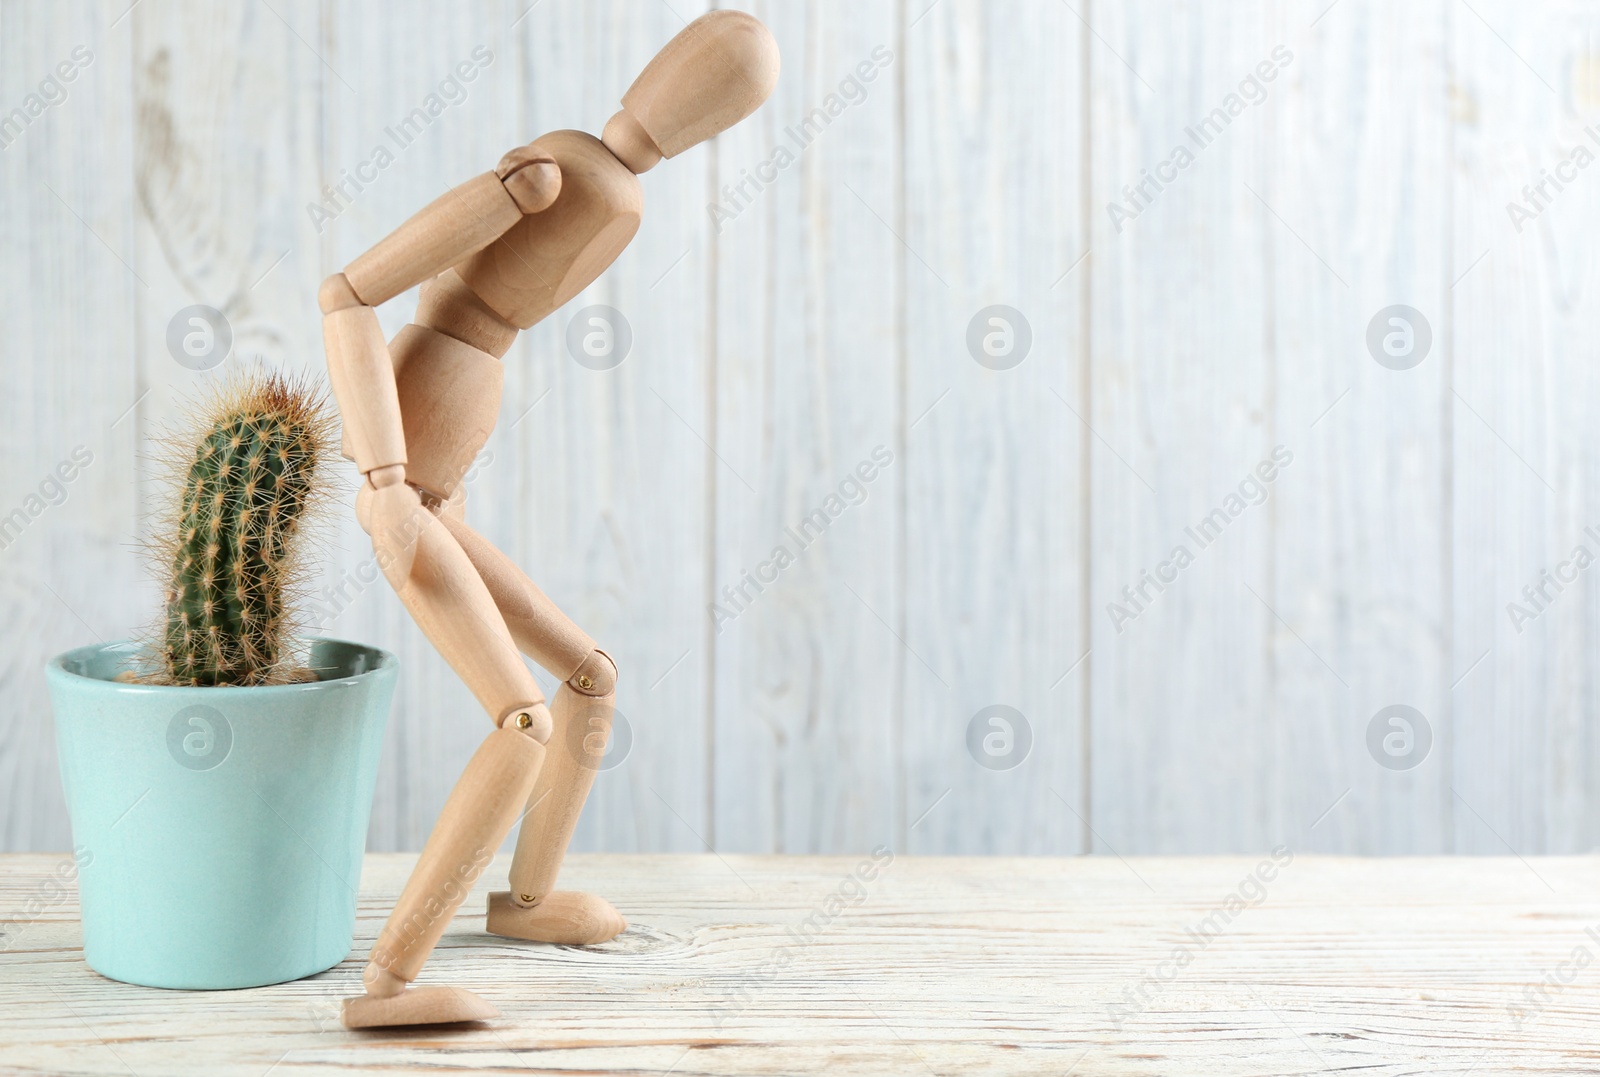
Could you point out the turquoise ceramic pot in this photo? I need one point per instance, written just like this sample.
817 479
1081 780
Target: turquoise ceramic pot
219 831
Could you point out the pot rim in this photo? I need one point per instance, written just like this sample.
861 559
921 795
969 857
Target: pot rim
56 667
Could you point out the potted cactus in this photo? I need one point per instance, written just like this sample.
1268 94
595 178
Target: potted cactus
220 769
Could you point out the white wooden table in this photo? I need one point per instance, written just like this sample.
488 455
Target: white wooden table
937 966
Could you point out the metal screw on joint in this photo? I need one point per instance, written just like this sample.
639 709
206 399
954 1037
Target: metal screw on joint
527 899
586 682
524 720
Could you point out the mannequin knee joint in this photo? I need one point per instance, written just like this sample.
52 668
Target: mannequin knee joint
597 676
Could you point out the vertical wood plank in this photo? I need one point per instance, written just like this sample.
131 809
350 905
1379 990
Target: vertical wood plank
1361 616
1181 406
993 524
606 482
400 125
1525 99
67 256
807 389
226 103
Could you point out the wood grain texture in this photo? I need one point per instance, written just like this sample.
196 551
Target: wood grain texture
829 316
806 388
993 458
1361 596
1525 755
1179 405
734 965
599 491
65 230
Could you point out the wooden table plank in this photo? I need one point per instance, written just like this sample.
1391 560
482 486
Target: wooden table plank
736 964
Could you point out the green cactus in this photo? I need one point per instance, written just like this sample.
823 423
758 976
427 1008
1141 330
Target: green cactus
254 471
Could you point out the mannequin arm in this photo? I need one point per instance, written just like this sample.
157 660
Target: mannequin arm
461 221
458 223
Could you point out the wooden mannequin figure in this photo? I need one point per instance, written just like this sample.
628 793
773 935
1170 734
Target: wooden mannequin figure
495 255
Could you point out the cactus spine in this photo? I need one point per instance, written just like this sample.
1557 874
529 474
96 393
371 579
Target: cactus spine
253 471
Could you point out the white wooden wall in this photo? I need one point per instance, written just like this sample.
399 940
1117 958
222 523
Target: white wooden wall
830 317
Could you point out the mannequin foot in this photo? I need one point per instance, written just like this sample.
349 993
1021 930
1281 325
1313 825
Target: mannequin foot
417 1006
562 916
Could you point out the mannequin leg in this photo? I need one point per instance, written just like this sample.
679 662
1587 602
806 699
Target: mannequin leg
481 810
532 908
581 725
445 596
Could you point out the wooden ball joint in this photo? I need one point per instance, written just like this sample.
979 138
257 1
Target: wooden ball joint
495 255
